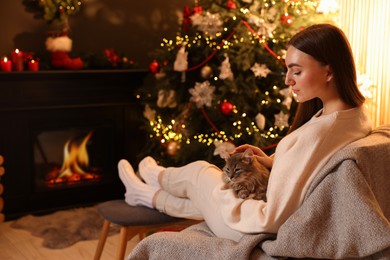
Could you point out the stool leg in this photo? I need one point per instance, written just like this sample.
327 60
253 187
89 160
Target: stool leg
102 239
123 237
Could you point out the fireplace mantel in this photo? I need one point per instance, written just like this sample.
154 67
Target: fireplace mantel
24 90
50 100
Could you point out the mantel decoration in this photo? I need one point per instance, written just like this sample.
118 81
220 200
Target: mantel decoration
220 81
56 13
59 43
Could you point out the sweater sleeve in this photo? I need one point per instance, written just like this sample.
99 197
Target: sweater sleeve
298 158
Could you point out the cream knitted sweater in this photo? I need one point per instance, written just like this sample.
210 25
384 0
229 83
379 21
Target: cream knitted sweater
298 159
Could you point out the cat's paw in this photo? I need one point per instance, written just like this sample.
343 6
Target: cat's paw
243 194
235 186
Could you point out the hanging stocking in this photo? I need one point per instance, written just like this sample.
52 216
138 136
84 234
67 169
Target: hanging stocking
60 48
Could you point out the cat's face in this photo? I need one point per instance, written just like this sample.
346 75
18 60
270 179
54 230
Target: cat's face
245 175
236 165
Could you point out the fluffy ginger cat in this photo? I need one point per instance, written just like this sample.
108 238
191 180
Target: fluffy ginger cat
245 175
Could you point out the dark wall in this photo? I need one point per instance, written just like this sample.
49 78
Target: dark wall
132 28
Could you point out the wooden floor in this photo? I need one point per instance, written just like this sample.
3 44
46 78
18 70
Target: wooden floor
17 244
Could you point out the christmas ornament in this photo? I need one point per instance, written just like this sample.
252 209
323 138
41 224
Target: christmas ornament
206 72
149 113
231 5
226 72
187 12
265 27
172 148
286 20
226 107
181 63
260 121
208 23
281 120
166 98
154 67
202 94
223 148
260 70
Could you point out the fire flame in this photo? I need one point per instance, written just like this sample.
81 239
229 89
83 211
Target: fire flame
75 157
75 164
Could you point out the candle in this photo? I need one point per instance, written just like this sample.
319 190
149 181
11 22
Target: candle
6 65
33 65
17 60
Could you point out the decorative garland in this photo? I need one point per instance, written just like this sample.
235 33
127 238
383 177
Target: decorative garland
230 36
212 54
263 43
210 122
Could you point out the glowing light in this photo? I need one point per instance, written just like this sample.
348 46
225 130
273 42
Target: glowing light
328 6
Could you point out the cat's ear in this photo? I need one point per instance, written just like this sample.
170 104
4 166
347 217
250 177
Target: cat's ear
224 155
248 153
248 156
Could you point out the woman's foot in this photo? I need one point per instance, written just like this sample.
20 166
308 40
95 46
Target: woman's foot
150 171
137 192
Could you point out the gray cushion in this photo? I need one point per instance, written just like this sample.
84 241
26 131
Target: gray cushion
119 212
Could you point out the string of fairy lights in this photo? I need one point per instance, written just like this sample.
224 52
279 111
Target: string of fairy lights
173 131
166 131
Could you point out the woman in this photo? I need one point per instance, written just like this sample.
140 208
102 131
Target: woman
321 72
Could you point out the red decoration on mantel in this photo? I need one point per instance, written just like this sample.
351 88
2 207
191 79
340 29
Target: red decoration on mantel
17 60
61 60
6 65
33 65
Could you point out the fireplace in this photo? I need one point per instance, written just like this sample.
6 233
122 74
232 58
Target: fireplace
62 135
72 157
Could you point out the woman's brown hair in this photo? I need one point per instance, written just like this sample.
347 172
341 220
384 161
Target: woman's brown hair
328 45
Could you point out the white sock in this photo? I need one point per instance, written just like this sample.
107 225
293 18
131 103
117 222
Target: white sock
150 170
137 192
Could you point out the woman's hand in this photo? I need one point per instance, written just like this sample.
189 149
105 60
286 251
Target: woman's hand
259 154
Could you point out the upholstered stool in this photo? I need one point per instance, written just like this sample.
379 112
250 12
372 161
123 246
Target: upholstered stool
133 221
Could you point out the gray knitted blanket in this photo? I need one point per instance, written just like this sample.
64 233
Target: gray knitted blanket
345 214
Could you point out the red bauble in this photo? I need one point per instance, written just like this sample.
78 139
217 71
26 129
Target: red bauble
226 107
286 20
231 5
154 67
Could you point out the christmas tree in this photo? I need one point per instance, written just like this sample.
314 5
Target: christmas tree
220 82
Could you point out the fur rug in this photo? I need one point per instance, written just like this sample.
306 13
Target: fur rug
62 229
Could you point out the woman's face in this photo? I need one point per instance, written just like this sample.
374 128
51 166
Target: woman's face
307 77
